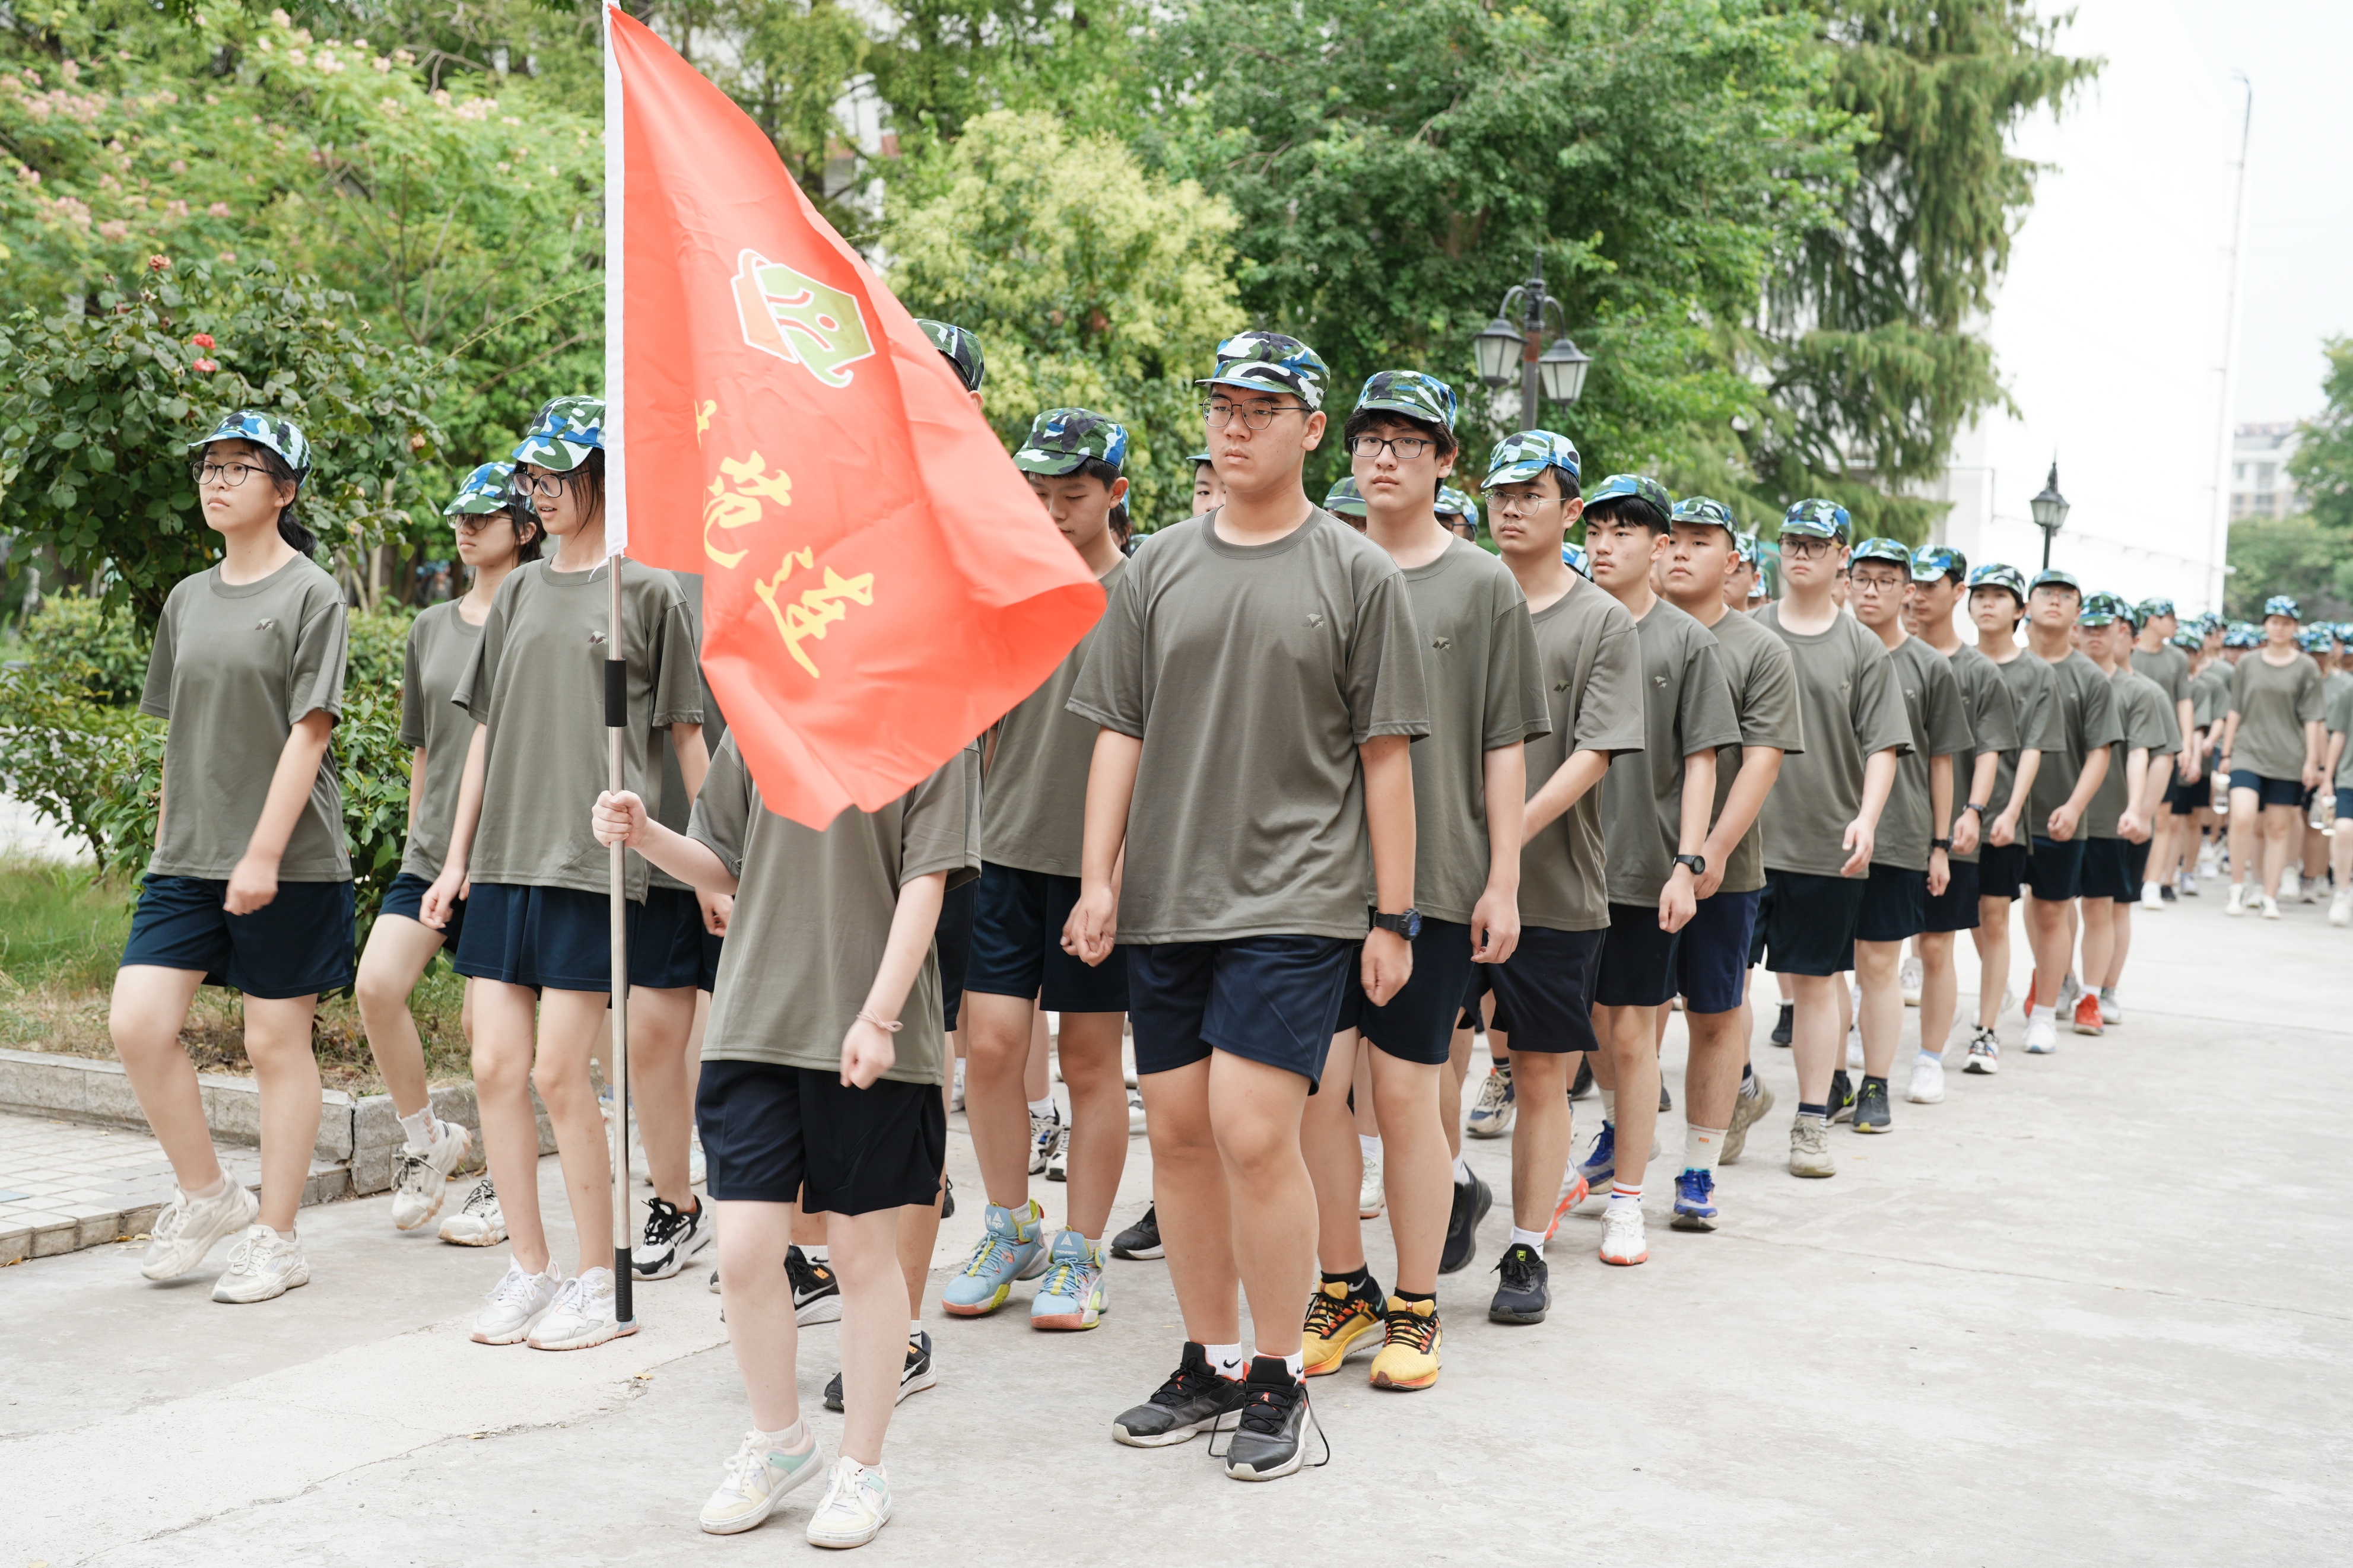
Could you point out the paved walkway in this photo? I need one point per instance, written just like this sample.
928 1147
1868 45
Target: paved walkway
2079 1313
65 1184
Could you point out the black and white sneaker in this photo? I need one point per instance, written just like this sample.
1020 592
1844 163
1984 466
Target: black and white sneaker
1841 1096
816 1294
673 1239
916 1377
1784 1023
1269 1441
1470 1205
1524 1296
1194 1399
1141 1239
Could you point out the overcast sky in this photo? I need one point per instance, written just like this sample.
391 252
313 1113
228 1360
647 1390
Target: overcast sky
2297 284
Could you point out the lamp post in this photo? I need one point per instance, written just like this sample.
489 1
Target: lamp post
1558 371
2049 509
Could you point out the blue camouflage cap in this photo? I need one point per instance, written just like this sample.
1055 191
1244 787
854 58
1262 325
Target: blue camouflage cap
2212 621
1701 512
1410 392
1994 575
1892 551
484 491
2242 634
563 433
1816 519
2188 641
959 348
1062 438
1632 487
1936 562
1344 499
2316 638
1198 458
1453 502
1522 456
2051 577
2150 609
2283 605
1746 544
1572 556
282 436
1269 361
2101 610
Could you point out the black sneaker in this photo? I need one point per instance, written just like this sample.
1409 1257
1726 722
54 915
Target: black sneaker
1524 1296
1869 1114
916 1376
1194 1399
1842 1097
1784 1023
1583 1087
1268 1442
816 1294
2166 893
1141 1239
1470 1207
947 1197
672 1237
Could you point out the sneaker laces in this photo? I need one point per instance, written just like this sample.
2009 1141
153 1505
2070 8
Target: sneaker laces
480 1198
1327 1312
414 1169
751 1460
515 1288
984 1256
1187 1382
1403 1325
1518 1266
567 1299
1264 1415
1063 1279
240 1257
173 1220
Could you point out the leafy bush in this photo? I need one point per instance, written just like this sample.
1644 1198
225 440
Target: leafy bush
69 630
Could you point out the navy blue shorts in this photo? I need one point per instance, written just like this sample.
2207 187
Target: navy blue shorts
558 939
2137 863
953 939
1712 956
1638 960
1416 1025
1270 999
1894 905
1475 986
706 975
2107 871
2183 798
2056 871
1810 921
1543 992
2273 792
666 950
406 898
1017 945
298 944
1955 908
2344 806
775 1134
2001 870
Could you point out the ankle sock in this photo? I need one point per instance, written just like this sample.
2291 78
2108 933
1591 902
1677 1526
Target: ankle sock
1748 1076
914 1327
1463 1177
2048 1015
1818 1112
1042 1106
1370 1143
422 1129
1609 1106
1533 1240
1701 1145
1296 1364
1411 1297
1620 1193
789 1440
1868 1080
1359 1283
1226 1361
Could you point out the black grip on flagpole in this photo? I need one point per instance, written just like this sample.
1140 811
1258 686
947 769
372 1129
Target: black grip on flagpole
617 694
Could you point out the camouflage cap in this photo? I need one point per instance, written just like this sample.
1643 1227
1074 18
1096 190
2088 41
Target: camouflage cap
2051 577
1633 487
2242 634
1410 392
960 349
1572 556
2151 609
1893 550
1746 544
484 491
2316 639
2188 641
1935 562
563 433
1521 456
282 436
1994 575
1818 519
1701 512
1269 361
2345 634
2283 605
1198 458
1062 438
1344 499
2100 610
2211 621
1453 502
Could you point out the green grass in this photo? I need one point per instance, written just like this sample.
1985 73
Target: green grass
60 926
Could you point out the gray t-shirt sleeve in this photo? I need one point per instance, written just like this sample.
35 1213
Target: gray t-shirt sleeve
2103 725
723 811
935 831
1993 718
1609 715
1383 681
481 677
1773 718
315 683
1947 716
155 696
1110 689
1879 721
1707 719
411 694
677 685
2340 720
1516 694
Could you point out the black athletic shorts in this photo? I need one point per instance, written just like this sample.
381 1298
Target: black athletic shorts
1810 921
2107 871
1416 1025
1712 953
1270 999
2056 871
1475 987
298 944
2137 863
1955 908
1543 992
1894 905
2186 798
952 938
2271 791
1638 960
666 954
775 1134
1017 945
558 939
406 898
2001 870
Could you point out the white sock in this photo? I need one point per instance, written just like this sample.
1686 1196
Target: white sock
218 1189
1620 1193
1370 1143
1226 1361
2048 1015
1700 1147
790 1440
1609 1106
914 1327
1463 1177
284 1235
1533 1240
422 1129
1042 1106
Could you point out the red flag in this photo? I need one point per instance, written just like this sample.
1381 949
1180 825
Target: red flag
879 583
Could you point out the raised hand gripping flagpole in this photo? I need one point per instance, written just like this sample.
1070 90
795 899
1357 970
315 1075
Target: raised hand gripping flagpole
616 666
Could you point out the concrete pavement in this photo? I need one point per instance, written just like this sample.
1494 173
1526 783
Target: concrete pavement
2093 1311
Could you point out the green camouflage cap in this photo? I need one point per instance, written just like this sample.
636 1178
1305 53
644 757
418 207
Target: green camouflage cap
2316 639
1345 500
1410 392
960 349
2283 605
2345 634
1198 458
1816 519
1703 511
2212 621
1572 556
1521 456
1934 562
1882 549
1062 438
1746 544
2188 641
2150 609
484 491
1633 487
562 434
1994 575
2242 634
1453 502
2101 610
282 436
1269 361
2051 577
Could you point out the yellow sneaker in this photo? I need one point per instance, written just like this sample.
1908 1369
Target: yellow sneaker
1336 1319
1408 1358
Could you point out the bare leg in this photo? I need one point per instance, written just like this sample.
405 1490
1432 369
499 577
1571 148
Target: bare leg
2098 939
570 1024
1414 1164
1450 1090
874 1314
2119 948
1254 1114
1540 1134
277 1043
1360 1091
1037 1083
1627 1039
505 1020
150 1006
998 1036
1877 966
2046 927
2280 825
1712 1067
757 1297
1089 1049
398 950
661 1023
1940 987
1188 1188
1992 939
919 1233
1327 1140
1817 1037
2246 835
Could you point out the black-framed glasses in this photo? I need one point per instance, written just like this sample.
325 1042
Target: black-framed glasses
530 486
1406 448
1805 548
229 474
1257 415
1876 583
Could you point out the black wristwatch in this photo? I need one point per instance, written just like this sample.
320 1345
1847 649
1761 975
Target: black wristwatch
1977 807
1698 863
1944 843
1407 923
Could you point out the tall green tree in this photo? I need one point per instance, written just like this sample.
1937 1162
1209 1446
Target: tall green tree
2323 465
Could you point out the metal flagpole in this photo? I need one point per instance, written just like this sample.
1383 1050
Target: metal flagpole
616 672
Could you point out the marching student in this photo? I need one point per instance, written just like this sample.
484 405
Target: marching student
824 1067
2155 656
1743 577
1458 513
1822 830
495 534
1591 667
1209 490
536 940
1257 677
250 882
1658 808
1469 774
2069 777
2117 826
2271 749
1996 604
1031 839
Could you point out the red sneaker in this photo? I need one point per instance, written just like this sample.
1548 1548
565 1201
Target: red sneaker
2087 1014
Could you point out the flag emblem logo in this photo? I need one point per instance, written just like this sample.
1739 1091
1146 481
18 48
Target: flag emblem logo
792 316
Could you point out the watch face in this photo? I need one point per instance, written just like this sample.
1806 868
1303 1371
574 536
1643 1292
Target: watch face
1412 924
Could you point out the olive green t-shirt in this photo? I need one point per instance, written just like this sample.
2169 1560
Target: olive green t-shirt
2086 705
2340 720
1993 727
2034 691
677 804
236 667
1763 680
2148 723
1589 659
1939 723
1686 708
1486 691
2211 691
2273 703
1034 811
1852 711
1252 674
441 644
2168 667
813 915
538 682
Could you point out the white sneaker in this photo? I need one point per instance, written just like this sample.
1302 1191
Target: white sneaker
1134 1111
418 1190
2042 1034
479 1222
2287 885
1809 1148
757 1479
2111 1010
187 1227
697 1168
2238 904
1493 1112
261 1266
583 1315
1058 1164
1622 1241
1911 976
2071 990
1045 1137
1985 1054
2152 896
2270 907
516 1304
1927 1081
1854 1046
956 1095
2189 886
2340 907
856 1507
1371 1195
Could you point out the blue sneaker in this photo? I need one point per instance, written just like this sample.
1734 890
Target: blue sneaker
1696 1201
1073 1295
1600 1162
1013 1247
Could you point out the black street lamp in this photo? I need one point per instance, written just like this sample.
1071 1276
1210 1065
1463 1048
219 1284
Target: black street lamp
1558 371
2049 509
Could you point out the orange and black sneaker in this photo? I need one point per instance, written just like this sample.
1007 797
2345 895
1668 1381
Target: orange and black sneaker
1336 1318
1409 1357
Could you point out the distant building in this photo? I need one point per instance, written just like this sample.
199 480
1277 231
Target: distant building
2259 486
